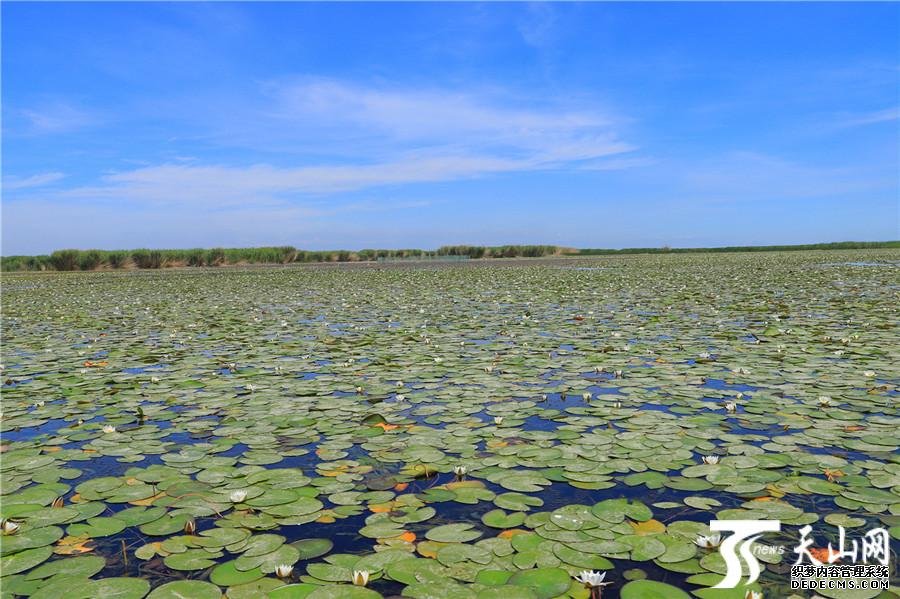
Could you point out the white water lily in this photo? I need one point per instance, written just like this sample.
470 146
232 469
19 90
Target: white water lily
360 577
498 420
619 374
586 396
399 383
190 527
710 459
250 387
10 527
39 404
824 401
740 395
238 496
438 360
459 471
869 373
591 579
154 379
80 421
730 406
400 397
108 428
489 369
617 404
283 570
708 542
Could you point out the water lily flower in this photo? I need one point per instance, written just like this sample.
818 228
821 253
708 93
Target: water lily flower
730 406
108 428
400 397
740 395
489 369
80 421
360 577
619 374
593 581
154 379
498 420
824 401
586 396
590 578
283 570
438 359
705 355
190 527
617 404
399 383
58 502
238 496
869 373
710 459
10 527
250 387
39 404
708 542
459 471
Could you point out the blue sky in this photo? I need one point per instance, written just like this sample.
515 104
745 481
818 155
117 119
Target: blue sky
420 124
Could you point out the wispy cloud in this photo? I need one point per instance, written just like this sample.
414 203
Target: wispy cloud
538 26
869 118
758 177
222 186
446 118
52 118
384 136
39 180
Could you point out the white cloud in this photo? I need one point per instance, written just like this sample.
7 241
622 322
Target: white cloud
53 118
760 177
399 137
350 137
220 186
39 180
870 118
443 118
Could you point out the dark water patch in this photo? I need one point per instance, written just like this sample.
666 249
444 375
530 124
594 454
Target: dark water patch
724 386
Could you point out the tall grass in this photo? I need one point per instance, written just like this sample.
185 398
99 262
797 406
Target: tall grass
148 258
838 245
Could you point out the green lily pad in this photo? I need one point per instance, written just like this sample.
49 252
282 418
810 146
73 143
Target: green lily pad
650 589
180 589
544 582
